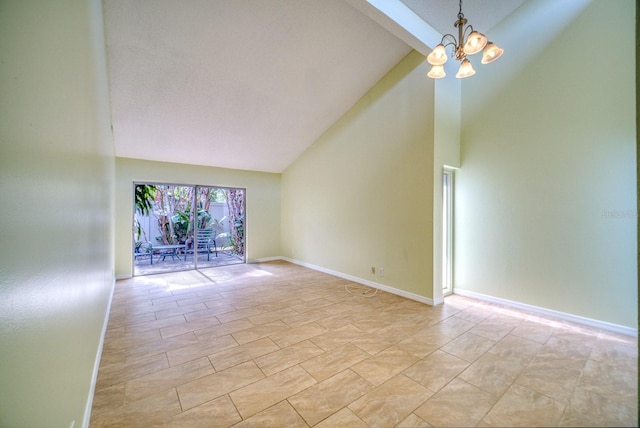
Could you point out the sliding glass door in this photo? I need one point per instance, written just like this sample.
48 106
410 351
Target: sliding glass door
181 227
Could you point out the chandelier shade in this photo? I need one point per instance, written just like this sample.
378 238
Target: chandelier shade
491 53
469 42
475 43
438 56
437 72
466 70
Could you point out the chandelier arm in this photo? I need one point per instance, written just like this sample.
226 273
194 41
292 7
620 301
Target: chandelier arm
452 40
464 33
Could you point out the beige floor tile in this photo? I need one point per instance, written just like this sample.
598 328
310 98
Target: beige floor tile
423 343
189 326
162 345
384 365
207 388
453 326
298 334
168 378
280 415
475 313
200 349
561 348
494 328
241 353
287 357
413 421
492 373
554 378
616 352
459 404
587 409
533 331
609 381
260 331
265 393
512 347
292 342
378 341
217 413
179 310
391 402
156 324
128 340
271 315
113 357
108 399
330 363
337 337
327 397
132 320
149 411
223 329
436 370
300 319
468 346
345 418
239 314
114 374
523 407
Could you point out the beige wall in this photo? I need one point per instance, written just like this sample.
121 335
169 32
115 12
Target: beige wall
362 195
546 196
262 203
446 153
56 182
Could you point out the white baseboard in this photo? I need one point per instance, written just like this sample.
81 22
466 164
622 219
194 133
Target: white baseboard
264 259
96 364
363 281
124 276
603 325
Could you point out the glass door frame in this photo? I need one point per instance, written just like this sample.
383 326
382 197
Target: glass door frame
191 231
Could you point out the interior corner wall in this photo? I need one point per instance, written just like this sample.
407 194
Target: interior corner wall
262 203
546 195
446 154
362 195
56 182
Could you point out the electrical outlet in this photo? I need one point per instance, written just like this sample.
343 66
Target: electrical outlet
381 271
373 270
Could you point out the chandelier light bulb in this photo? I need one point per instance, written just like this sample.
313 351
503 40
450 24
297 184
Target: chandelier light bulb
438 56
475 42
437 72
466 70
491 53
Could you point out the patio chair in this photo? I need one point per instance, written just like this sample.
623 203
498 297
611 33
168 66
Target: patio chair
142 249
205 242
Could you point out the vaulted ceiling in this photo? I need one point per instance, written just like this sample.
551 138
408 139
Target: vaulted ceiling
251 84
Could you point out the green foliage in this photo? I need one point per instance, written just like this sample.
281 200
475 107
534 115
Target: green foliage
144 196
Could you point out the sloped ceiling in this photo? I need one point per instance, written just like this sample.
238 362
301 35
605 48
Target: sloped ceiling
247 84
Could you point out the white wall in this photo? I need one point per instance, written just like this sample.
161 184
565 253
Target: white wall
545 157
56 182
362 195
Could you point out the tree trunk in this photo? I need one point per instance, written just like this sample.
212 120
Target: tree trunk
235 203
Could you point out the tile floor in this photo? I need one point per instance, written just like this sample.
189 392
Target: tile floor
275 344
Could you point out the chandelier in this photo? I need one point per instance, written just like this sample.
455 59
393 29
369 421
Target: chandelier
474 43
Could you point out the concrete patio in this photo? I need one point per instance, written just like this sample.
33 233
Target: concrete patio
142 263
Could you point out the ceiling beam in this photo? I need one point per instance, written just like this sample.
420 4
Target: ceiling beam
402 22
